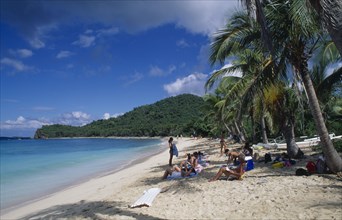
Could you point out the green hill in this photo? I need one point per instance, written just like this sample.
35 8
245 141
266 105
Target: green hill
171 116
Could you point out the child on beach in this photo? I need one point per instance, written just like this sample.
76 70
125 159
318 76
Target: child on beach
223 143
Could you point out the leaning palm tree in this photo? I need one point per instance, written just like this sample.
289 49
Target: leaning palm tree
298 43
295 33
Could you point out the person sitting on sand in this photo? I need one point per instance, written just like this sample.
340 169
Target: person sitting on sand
177 171
232 156
232 173
196 164
187 164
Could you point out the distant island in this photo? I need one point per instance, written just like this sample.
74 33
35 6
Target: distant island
180 115
15 138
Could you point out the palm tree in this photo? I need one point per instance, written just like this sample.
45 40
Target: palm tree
296 33
282 103
239 34
299 44
330 14
214 115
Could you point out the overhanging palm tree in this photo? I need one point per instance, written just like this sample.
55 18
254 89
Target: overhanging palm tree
297 31
299 43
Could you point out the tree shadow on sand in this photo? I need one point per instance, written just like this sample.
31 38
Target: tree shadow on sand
90 210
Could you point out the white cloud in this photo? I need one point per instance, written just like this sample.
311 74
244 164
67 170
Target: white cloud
23 53
108 32
107 115
193 84
156 71
182 43
64 54
16 64
134 78
36 43
84 41
76 118
36 18
23 123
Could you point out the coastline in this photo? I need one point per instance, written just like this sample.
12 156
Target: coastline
264 193
79 182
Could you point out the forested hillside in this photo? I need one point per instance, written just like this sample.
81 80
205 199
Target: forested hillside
171 116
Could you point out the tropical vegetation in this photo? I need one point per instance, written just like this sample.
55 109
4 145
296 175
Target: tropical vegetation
280 75
179 115
272 44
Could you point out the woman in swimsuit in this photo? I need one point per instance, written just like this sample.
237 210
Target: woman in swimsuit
170 151
235 173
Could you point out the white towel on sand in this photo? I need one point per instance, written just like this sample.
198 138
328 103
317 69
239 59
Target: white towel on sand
147 198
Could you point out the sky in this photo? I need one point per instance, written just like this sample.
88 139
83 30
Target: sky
73 62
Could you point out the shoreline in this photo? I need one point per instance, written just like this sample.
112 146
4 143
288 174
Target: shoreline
86 178
81 181
265 193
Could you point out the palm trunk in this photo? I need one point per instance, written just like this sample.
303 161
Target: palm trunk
291 146
242 131
238 131
228 129
253 130
244 136
330 11
262 123
265 33
333 160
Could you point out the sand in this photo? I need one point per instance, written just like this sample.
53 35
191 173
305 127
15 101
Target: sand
264 193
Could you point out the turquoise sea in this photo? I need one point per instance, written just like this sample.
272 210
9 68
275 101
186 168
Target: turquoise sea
31 169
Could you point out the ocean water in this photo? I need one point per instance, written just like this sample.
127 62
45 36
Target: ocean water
31 169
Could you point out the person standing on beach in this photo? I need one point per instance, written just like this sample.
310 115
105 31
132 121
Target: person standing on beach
223 143
170 151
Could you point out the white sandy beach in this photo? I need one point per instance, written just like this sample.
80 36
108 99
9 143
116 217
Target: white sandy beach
265 193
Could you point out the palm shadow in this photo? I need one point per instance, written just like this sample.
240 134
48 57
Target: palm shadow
90 210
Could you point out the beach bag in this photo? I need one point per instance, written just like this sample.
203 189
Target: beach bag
268 157
302 172
321 166
311 167
278 165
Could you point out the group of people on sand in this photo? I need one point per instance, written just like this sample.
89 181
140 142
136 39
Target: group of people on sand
192 163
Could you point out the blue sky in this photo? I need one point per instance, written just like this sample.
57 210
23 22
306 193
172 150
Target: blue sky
73 62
